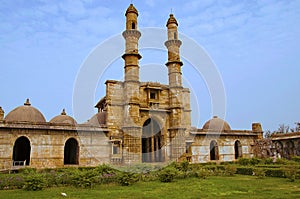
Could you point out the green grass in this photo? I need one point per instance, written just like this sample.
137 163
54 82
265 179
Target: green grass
214 187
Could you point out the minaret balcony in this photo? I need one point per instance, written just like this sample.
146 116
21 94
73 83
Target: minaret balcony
131 33
173 42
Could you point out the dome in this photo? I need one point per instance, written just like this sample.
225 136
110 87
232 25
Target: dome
63 118
98 119
26 113
131 9
216 124
172 20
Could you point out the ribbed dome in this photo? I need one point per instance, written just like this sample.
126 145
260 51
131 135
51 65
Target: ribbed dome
98 119
216 124
172 20
25 113
131 8
63 118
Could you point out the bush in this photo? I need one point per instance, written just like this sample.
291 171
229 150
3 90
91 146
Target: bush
85 179
126 179
274 172
34 182
244 170
167 174
268 161
12 181
259 173
27 170
290 173
296 159
243 161
230 170
203 173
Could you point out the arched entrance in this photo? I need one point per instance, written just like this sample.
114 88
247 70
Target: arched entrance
152 142
214 151
289 149
238 153
21 151
71 152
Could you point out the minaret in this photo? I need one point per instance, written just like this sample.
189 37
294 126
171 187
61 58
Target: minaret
131 123
177 125
131 36
174 64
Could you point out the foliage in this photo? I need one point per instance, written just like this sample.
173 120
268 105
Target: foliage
296 159
12 182
126 179
167 174
203 173
259 173
35 182
290 172
230 170
244 170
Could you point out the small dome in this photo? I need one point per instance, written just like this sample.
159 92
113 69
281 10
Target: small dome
216 124
172 20
131 9
98 119
25 113
63 118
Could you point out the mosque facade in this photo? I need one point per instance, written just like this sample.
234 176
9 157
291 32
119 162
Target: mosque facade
137 122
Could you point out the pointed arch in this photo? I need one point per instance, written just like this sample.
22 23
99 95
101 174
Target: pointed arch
238 153
133 25
214 150
22 149
152 141
71 152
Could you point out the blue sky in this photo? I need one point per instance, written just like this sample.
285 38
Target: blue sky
254 45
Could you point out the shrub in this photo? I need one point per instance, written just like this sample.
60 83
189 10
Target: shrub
27 170
14 181
290 173
244 170
243 161
268 161
296 159
230 170
85 179
126 179
259 173
254 161
203 173
34 182
167 174
283 161
274 172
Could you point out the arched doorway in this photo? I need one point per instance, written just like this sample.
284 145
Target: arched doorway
238 153
214 151
289 149
152 142
71 152
21 151
278 148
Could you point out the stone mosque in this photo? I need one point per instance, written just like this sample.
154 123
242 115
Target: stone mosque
137 122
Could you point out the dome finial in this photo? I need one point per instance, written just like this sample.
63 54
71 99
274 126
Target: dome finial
63 112
27 103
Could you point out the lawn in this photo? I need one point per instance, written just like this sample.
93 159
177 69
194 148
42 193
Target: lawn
237 186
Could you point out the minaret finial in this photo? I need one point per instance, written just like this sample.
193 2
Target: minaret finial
27 103
63 112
